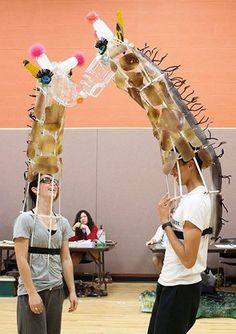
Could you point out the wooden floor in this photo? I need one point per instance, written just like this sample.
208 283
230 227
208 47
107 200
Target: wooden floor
118 313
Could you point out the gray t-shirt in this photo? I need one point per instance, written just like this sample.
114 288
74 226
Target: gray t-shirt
46 270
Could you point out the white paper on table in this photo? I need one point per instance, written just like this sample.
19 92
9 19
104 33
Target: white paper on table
82 244
226 246
9 242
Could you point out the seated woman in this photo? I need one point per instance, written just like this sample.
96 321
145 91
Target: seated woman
159 237
85 229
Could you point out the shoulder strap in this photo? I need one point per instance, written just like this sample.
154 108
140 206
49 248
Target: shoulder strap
180 234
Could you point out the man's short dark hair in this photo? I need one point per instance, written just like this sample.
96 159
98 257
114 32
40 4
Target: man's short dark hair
199 161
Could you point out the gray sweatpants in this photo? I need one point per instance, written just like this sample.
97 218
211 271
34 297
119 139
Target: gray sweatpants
49 321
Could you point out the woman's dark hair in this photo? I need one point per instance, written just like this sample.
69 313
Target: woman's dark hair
78 231
33 184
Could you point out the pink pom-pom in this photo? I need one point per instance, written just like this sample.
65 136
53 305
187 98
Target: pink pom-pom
36 50
91 17
80 58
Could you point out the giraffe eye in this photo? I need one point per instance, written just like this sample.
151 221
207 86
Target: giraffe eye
45 76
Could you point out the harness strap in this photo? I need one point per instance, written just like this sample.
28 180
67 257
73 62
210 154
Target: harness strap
180 234
42 250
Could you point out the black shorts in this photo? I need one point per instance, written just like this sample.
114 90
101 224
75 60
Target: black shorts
175 309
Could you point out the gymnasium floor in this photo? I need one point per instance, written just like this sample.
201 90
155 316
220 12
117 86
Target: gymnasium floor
118 313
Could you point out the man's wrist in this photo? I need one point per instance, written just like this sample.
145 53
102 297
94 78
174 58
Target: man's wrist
166 224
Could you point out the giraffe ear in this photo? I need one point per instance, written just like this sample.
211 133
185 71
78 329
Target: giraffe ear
37 51
77 59
99 26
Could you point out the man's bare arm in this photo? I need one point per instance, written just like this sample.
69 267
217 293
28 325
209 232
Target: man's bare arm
188 250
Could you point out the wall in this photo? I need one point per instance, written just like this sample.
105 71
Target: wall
198 34
116 175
